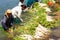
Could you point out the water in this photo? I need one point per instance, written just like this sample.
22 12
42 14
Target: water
7 4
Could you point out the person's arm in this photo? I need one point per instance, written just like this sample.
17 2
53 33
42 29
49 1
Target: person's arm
12 21
4 19
19 13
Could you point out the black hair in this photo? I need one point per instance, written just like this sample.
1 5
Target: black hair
21 1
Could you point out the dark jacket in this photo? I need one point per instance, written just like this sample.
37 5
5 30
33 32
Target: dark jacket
7 22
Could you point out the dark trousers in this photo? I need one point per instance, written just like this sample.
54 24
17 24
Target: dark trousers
5 27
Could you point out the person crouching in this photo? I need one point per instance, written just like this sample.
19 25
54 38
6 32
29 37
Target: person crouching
7 21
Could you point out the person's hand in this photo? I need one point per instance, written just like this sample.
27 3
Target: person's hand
8 31
12 27
21 20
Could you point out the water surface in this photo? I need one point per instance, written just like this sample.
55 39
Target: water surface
7 4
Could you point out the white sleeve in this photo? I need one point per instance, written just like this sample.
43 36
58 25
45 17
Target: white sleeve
14 12
19 12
